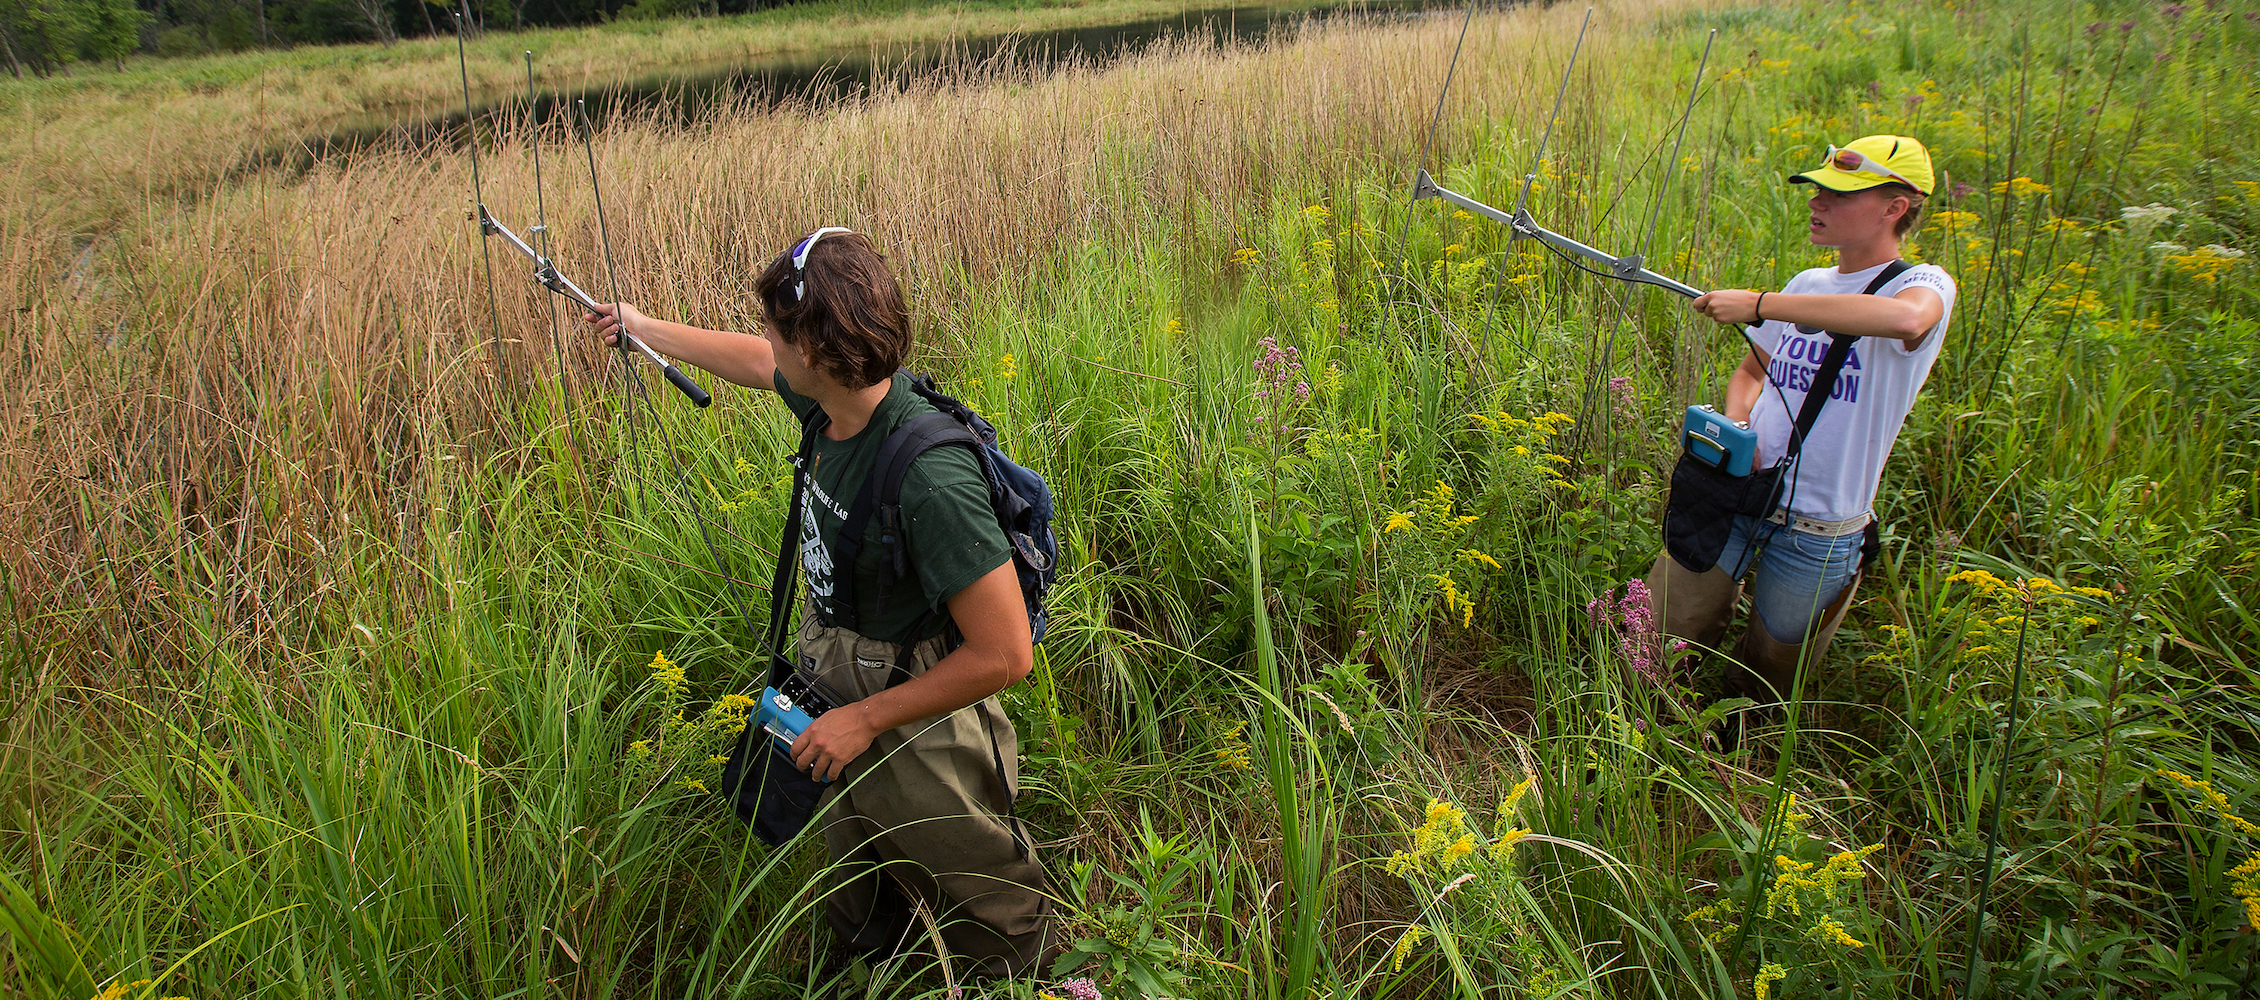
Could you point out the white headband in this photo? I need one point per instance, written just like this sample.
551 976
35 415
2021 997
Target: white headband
800 258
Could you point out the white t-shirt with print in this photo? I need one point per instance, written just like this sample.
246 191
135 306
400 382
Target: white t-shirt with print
1835 475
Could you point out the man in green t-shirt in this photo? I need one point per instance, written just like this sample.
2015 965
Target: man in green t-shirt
923 814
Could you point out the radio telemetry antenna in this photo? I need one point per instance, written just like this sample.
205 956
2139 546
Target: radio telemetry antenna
546 274
545 271
1631 268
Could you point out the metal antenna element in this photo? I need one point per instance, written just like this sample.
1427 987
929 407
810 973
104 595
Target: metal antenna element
674 375
478 194
1522 201
1630 268
540 230
545 270
1671 166
1449 71
540 233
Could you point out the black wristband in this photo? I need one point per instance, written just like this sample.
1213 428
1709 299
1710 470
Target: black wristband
1759 310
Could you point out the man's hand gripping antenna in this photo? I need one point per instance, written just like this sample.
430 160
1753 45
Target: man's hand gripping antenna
546 274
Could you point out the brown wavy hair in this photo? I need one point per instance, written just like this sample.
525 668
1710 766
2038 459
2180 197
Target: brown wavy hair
852 320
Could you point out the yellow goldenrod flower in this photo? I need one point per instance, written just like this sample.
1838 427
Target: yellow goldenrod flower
1398 521
1827 929
2214 800
1767 976
2095 592
1458 849
670 677
1246 257
1514 797
1005 367
1405 946
1985 582
1505 845
1475 557
2244 881
2021 187
640 749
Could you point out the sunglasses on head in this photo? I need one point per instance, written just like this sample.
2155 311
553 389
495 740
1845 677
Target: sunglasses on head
800 259
1853 162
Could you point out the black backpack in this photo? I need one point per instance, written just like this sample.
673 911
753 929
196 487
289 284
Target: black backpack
761 783
1021 499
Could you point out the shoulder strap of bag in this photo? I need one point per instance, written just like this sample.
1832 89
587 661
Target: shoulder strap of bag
783 587
1832 364
882 495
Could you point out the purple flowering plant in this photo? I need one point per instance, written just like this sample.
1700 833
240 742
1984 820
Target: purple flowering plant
1631 620
1281 384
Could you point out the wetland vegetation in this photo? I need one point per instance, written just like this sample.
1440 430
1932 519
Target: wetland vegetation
361 640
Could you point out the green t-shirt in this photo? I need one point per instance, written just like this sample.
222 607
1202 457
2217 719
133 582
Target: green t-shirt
951 531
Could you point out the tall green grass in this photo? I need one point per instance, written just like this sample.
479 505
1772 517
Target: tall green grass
1324 712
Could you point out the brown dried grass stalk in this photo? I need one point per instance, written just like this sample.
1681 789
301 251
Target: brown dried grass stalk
219 418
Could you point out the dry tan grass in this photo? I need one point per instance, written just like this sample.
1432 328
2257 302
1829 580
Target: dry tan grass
247 391
169 130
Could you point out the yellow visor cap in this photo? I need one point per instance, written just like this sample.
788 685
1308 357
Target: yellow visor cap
1904 158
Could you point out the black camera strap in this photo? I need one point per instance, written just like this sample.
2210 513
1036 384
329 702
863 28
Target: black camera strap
783 585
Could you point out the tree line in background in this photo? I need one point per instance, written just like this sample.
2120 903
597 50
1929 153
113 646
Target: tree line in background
46 37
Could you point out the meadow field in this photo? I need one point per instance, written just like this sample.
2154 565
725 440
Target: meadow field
362 641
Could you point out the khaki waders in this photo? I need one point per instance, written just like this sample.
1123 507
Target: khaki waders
923 816
1698 607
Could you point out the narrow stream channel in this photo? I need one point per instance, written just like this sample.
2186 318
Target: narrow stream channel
826 77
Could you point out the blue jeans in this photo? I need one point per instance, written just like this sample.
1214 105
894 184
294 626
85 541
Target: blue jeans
1796 575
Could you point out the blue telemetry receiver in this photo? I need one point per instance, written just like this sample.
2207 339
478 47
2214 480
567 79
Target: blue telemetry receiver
782 718
1727 445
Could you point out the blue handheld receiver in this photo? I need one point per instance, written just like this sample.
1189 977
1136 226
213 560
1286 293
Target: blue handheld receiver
782 719
1727 445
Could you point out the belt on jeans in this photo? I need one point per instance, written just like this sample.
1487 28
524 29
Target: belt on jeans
1815 526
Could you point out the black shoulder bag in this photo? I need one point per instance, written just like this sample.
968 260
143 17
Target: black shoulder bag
1704 498
768 792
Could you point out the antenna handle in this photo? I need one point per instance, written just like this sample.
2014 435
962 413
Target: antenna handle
699 397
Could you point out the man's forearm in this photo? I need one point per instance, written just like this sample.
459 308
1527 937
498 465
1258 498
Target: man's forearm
1857 315
741 358
1742 390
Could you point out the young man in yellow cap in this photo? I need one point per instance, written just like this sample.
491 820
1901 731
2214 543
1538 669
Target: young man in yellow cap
1801 560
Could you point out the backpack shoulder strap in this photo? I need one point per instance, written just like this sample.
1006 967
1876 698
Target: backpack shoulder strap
882 495
1832 365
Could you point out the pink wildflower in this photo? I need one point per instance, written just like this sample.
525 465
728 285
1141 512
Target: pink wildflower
1633 619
